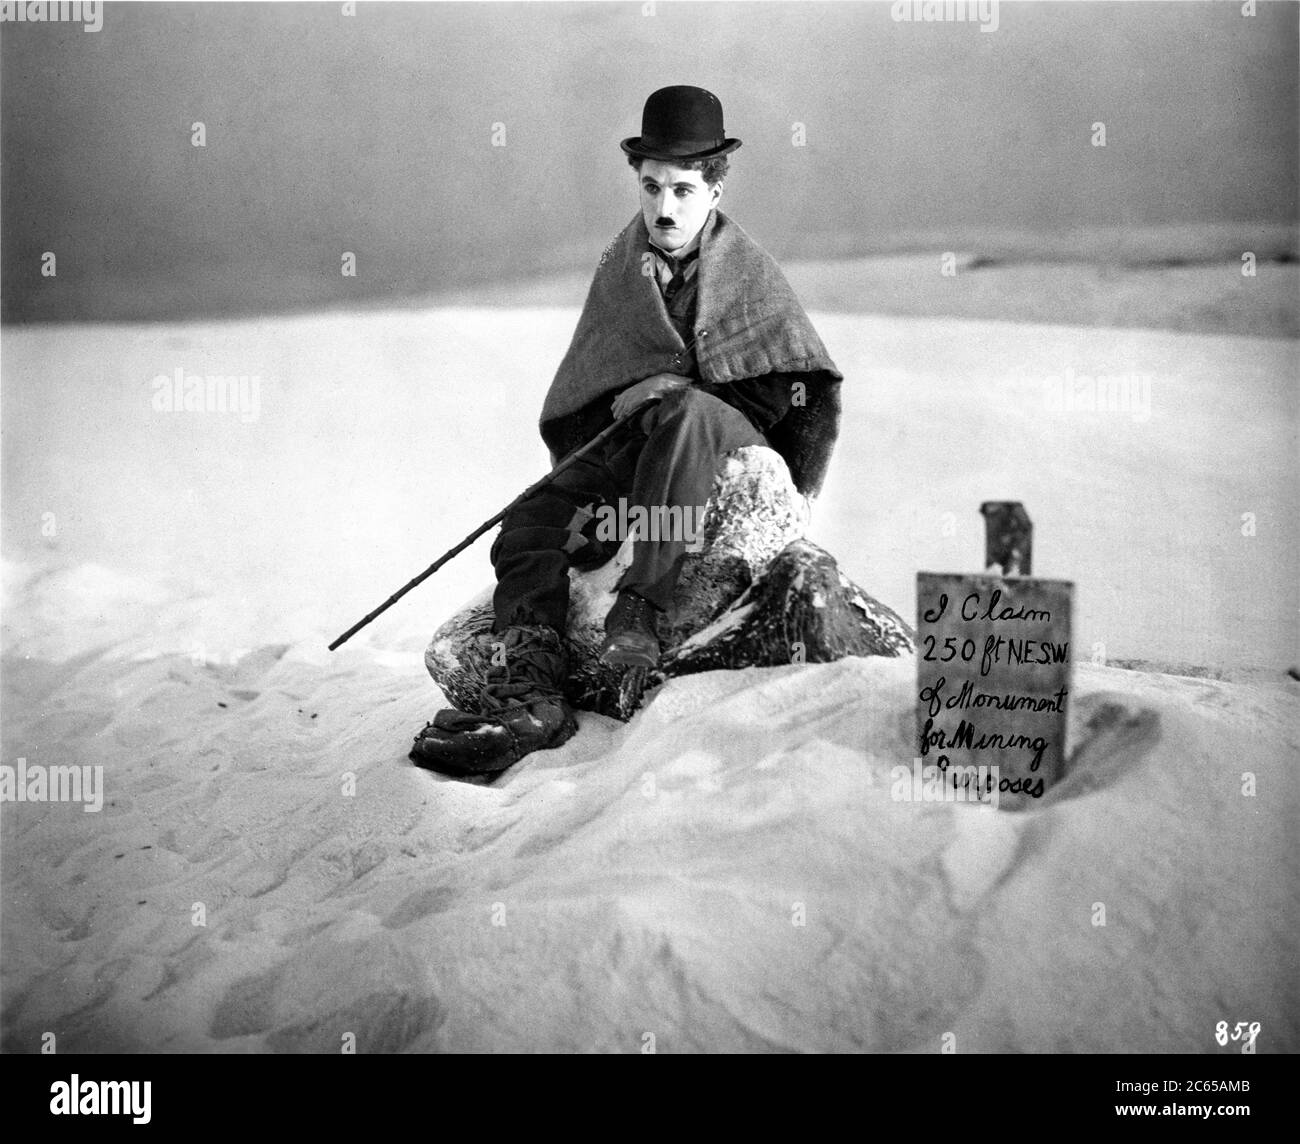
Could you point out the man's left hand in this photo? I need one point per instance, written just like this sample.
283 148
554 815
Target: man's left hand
651 389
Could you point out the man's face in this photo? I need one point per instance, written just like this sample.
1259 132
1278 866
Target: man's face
675 202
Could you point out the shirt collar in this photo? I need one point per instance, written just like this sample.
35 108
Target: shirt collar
677 260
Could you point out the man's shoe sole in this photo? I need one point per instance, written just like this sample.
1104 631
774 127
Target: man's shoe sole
621 652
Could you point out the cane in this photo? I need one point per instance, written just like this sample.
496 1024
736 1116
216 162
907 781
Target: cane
598 440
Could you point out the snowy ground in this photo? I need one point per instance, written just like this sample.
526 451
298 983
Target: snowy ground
171 580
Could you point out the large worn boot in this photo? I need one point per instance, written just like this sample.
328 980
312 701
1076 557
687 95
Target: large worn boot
631 636
524 710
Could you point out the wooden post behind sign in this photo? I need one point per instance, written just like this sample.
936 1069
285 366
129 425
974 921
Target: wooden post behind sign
993 672
1008 538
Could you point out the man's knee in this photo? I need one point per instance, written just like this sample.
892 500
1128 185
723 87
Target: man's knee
690 405
698 415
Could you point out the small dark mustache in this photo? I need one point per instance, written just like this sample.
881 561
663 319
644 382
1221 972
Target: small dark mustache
664 222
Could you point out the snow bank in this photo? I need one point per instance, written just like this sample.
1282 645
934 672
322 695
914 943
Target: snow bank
728 871
731 871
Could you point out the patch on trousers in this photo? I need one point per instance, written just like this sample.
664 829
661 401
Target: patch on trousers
582 540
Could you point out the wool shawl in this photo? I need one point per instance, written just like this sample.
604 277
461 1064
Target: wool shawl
748 323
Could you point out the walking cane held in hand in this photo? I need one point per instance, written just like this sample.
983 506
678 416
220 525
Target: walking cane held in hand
598 440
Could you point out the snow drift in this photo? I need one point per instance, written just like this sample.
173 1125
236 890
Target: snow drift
730 870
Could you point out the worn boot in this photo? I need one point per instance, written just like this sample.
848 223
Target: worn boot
523 704
631 632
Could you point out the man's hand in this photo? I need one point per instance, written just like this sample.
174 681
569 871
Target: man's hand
651 389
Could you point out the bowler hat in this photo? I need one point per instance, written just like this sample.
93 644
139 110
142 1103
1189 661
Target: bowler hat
680 123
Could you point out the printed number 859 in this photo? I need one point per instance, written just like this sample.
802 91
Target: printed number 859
1243 1030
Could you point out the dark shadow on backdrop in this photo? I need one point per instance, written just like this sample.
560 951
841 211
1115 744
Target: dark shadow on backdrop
374 134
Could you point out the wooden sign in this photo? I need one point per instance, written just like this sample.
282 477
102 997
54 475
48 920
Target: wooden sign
993 682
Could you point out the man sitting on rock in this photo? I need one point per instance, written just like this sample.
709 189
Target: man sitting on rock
689 318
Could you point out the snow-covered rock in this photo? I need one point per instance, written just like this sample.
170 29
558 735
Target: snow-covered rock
754 594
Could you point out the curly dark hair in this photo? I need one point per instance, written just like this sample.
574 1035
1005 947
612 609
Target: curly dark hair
712 171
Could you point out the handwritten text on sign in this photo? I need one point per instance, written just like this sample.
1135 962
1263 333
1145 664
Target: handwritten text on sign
993 679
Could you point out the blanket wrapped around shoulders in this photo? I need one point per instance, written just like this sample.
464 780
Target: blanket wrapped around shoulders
748 323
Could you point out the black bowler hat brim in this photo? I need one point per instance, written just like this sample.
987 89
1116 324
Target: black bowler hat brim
640 148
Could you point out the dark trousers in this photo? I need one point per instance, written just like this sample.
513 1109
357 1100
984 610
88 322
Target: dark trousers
666 459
